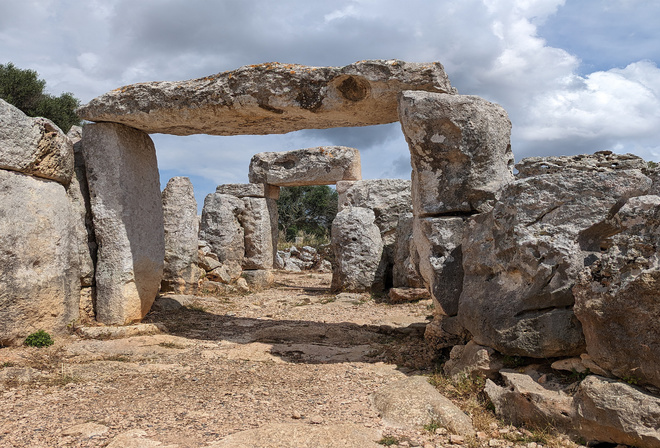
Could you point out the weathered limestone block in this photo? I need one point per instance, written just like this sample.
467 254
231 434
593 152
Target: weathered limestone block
523 401
34 146
460 151
358 248
405 272
438 244
78 192
473 359
444 331
180 272
269 98
258 278
311 166
389 199
222 231
617 298
122 174
250 190
522 259
413 402
615 412
260 246
403 295
39 271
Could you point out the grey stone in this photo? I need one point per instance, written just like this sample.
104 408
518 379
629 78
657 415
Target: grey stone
617 297
412 403
222 231
250 190
260 245
258 278
460 151
522 259
180 273
122 173
403 295
40 287
472 360
269 98
615 412
523 401
358 248
437 241
444 331
405 270
323 165
34 146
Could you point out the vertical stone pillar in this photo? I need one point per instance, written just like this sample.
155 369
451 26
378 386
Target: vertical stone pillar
461 158
122 173
181 272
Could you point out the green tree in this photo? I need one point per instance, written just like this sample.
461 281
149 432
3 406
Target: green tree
24 89
310 209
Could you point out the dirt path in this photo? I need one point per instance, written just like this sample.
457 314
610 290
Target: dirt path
294 353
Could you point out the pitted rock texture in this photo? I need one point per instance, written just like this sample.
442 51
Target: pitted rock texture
39 271
270 98
34 146
257 221
405 272
617 298
122 174
323 165
522 259
460 151
181 272
250 190
358 248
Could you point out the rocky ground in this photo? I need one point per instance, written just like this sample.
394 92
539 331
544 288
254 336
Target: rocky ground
295 361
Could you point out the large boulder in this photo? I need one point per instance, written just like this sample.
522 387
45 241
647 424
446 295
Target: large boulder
258 220
122 174
617 297
615 412
522 259
221 229
180 272
34 146
39 266
311 166
269 98
460 151
358 248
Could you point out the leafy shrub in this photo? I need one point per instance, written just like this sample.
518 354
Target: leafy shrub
39 339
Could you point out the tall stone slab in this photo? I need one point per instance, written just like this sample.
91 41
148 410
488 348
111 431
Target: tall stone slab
258 230
122 174
270 98
180 273
39 270
221 229
358 248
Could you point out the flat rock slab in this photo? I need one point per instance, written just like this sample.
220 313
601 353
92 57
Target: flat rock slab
322 165
300 435
270 98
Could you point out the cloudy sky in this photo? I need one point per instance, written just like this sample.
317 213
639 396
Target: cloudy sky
576 76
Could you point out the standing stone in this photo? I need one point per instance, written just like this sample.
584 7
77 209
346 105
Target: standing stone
122 173
312 166
460 151
617 297
405 271
221 229
522 259
34 146
438 243
180 273
358 248
40 286
270 98
258 231
389 199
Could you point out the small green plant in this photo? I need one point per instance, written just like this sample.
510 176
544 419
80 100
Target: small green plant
432 426
579 376
388 441
513 362
171 345
39 339
630 380
7 364
196 307
652 165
